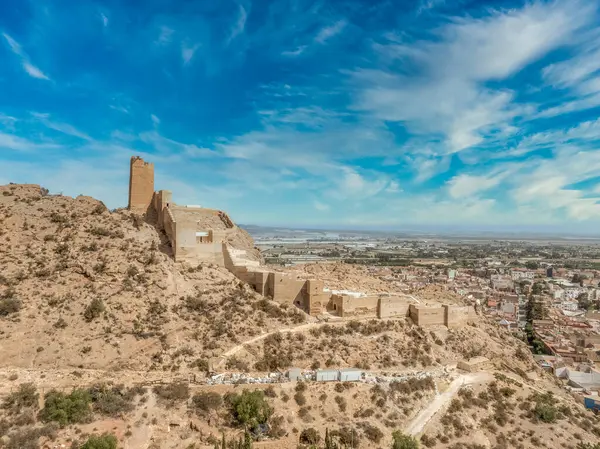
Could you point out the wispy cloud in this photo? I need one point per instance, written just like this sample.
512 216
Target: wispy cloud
426 5
64 128
297 52
240 24
321 206
447 94
165 35
187 52
104 19
31 69
155 119
330 31
17 143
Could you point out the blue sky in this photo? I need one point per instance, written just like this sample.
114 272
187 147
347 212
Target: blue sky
359 114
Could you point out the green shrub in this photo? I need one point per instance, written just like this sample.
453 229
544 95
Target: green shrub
250 408
402 441
545 412
93 310
111 401
106 441
25 397
67 409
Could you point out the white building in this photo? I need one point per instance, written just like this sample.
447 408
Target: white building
518 274
569 305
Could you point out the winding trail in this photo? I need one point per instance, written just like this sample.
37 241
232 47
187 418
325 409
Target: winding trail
441 400
301 328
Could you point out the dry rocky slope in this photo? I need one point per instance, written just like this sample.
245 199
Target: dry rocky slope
98 289
90 297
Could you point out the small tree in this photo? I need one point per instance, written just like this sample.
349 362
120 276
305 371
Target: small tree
67 409
402 441
105 441
250 408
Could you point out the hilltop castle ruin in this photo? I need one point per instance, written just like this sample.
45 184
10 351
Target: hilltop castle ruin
198 234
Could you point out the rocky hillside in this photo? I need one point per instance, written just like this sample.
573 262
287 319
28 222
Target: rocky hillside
102 333
82 286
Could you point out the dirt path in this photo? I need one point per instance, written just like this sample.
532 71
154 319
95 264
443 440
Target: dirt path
420 421
301 328
142 434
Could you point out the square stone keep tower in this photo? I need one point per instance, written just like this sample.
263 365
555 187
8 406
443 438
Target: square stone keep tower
141 185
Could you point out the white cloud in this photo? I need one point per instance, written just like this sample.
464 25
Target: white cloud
447 95
297 52
354 185
64 128
8 122
165 35
187 52
174 148
393 187
240 24
321 206
155 119
31 69
467 186
104 19
426 5
16 143
330 31
34 71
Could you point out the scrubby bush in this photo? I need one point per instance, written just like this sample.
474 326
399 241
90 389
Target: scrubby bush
270 392
9 305
300 399
545 412
173 393
310 436
402 441
25 397
373 433
106 441
545 409
111 401
67 409
206 402
94 309
27 438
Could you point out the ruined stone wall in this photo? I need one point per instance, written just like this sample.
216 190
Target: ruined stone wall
456 316
169 225
316 299
392 306
364 306
286 289
141 185
426 316
161 199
